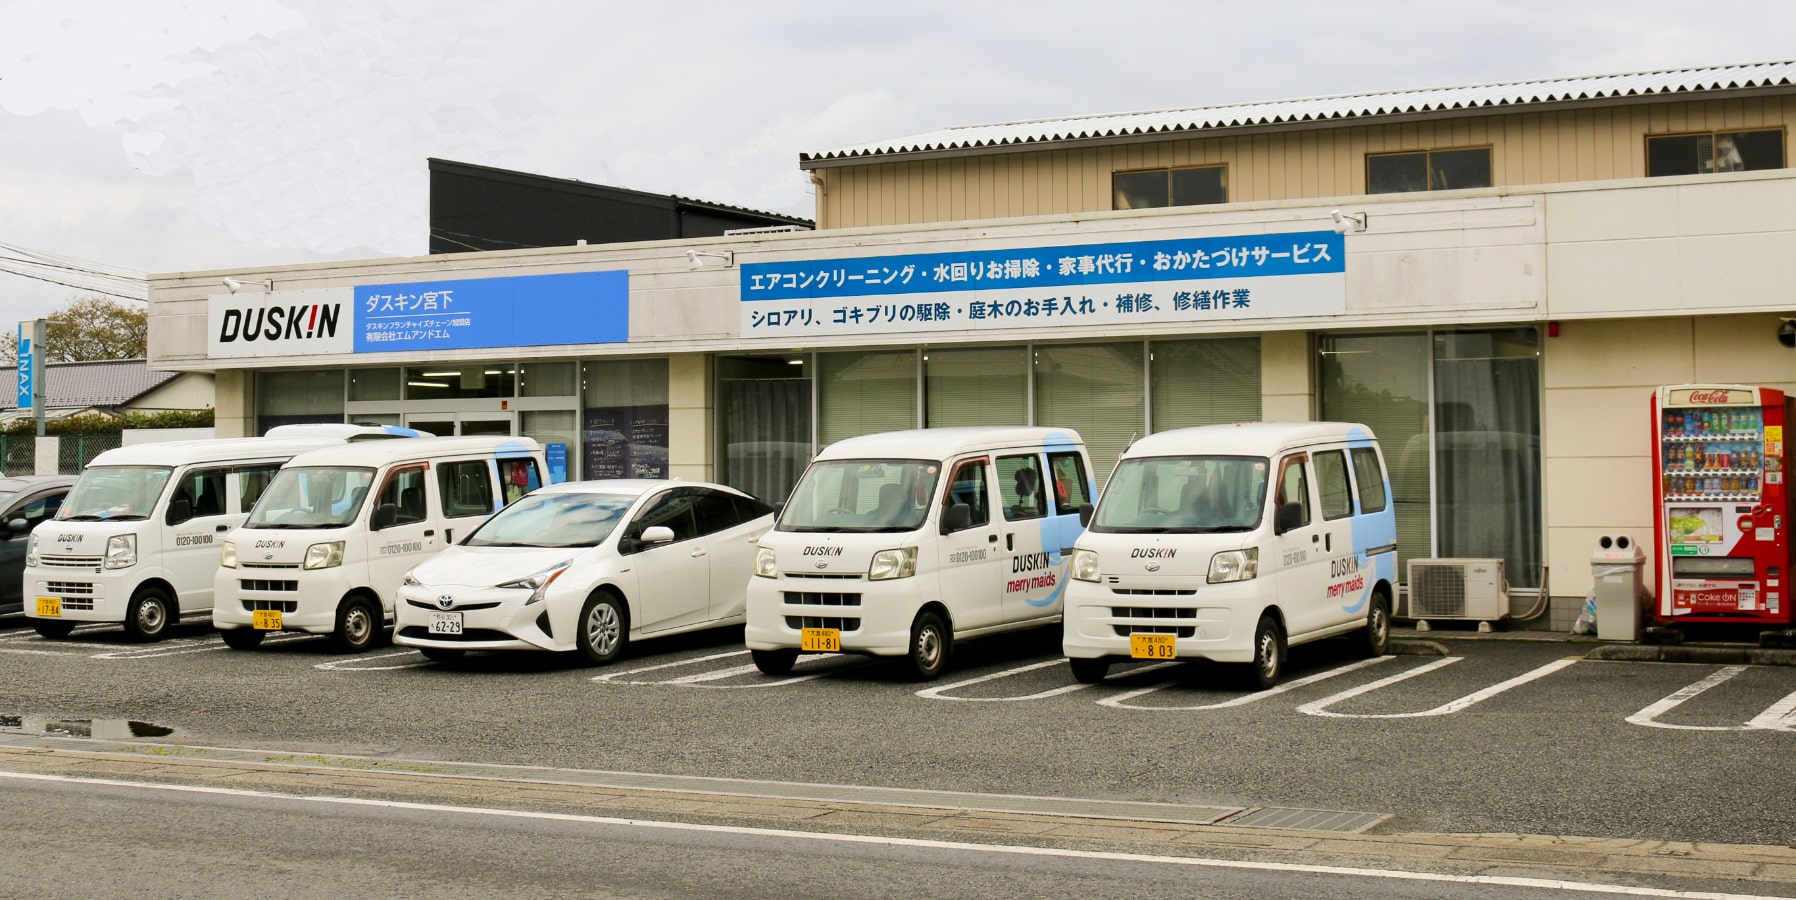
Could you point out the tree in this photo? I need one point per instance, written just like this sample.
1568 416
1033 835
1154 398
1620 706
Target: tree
89 328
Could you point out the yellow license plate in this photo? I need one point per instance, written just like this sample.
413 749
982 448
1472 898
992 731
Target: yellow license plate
1152 646
820 640
50 607
267 620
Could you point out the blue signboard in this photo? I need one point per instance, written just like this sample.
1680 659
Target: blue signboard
556 456
520 311
26 366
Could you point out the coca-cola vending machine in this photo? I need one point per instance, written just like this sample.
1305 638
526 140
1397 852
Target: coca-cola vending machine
1721 506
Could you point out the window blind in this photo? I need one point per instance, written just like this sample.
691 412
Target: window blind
980 386
865 393
1095 389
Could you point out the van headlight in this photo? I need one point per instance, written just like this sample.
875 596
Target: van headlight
121 551
227 555
31 550
324 556
767 563
1235 565
538 584
889 564
1085 565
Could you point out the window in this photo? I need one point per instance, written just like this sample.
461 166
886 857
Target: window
672 510
1716 151
404 490
715 511
1020 484
1206 382
461 381
865 393
204 491
1331 479
1428 170
977 386
1069 482
968 487
1170 187
519 477
1294 487
251 482
1096 390
748 508
466 488
1370 477
37 510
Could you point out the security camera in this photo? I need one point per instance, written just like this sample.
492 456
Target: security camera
1786 332
1345 222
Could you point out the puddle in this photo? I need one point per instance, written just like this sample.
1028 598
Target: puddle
102 729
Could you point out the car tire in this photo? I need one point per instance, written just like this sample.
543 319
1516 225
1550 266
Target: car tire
603 629
242 638
774 662
930 645
1268 664
358 625
442 654
1374 640
52 628
148 616
1089 671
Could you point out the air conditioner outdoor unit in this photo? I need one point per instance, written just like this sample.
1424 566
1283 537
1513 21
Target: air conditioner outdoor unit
1458 589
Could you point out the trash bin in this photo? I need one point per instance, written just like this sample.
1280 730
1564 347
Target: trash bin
1615 570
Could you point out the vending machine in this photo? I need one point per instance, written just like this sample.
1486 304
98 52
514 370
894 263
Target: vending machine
1721 506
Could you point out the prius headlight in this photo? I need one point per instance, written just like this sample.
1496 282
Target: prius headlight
121 551
411 579
324 556
1235 565
227 554
888 564
1085 565
767 563
538 584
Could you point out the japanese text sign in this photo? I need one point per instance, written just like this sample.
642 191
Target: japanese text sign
520 311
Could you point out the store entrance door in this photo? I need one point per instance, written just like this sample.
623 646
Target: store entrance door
450 424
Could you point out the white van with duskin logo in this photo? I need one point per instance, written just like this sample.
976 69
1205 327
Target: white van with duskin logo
328 544
136 540
901 544
1231 543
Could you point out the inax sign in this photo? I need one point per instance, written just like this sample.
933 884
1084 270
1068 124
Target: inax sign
283 323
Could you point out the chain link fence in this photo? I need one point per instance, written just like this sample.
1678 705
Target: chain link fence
79 449
18 454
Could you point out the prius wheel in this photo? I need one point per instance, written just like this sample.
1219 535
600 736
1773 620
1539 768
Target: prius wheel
1375 638
1089 671
774 662
147 618
1268 664
358 625
603 630
930 644
442 654
242 638
52 628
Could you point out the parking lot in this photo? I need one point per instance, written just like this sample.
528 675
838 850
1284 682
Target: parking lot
1494 736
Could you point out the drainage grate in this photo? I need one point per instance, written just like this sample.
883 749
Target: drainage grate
1304 819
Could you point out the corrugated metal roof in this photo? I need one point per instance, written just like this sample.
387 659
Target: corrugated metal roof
1344 106
111 382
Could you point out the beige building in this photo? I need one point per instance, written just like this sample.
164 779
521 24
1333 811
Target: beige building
1492 277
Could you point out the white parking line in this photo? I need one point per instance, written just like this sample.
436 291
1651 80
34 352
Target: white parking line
1781 716
1120 701
699 679
937 693
1320 707
343 665
208 645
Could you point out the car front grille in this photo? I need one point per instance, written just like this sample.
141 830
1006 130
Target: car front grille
69 562
470 635
822 598
285 606
836 622
265 585
1175 620
64 589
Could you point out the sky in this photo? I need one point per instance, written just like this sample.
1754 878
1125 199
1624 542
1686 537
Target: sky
174 136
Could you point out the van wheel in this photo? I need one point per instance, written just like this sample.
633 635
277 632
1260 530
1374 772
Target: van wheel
148 615
242 638
442 654
1089 671
1268 664
52 628
930 644
602 631
774 662
358 625
1374 639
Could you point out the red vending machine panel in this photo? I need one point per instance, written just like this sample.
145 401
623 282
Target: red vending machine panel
1720 504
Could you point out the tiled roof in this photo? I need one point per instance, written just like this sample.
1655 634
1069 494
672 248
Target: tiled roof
1344 106
112 382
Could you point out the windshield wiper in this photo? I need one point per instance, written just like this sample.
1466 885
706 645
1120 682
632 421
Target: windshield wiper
80 518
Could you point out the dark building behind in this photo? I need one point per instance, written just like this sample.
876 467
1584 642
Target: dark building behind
481 208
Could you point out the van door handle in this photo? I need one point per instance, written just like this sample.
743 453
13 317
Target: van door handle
430 532
1010 542
698 553
1328 542
991 539
1315 539
222 529
448 535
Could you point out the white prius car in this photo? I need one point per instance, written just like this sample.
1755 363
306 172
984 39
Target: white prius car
587 566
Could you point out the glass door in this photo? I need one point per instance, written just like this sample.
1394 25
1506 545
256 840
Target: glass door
451 424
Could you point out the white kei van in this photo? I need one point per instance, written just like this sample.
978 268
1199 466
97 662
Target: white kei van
136 541
330 540
1232 542
900 544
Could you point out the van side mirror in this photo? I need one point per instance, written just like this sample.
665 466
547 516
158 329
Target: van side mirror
179 510
17 526
657 534
1289 516
384 516
1085 510
779 509
956 517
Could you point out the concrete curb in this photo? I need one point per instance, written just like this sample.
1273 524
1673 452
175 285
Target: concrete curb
1677 653
1416 648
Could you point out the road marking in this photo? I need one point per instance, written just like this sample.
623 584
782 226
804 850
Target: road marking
342 665
207 645
699 679
937 693
1780 716
1120 701
37 652
1194 862
1320 707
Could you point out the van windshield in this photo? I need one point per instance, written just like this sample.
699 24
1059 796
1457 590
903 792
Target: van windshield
311 497
862 495
1183 495
553 520
114 492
